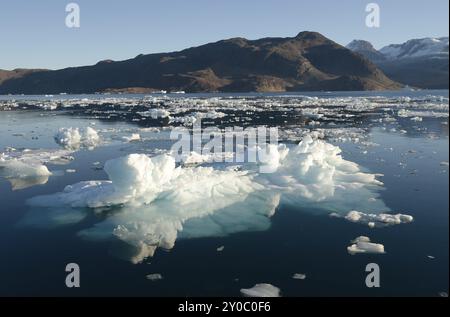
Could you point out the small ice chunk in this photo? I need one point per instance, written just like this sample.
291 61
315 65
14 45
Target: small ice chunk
299 276
132 137
154 277
220 249
72 138
261 290
362 244
69 170
68 137
90 138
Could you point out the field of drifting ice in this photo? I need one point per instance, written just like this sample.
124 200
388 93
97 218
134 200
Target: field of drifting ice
161 201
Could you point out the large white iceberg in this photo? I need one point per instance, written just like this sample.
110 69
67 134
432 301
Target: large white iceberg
160 202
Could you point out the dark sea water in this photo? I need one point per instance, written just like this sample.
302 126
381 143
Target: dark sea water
299 240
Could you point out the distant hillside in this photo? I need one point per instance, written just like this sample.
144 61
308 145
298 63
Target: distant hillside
420 63
308 61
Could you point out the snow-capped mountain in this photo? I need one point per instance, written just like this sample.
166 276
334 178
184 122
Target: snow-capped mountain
360 45
366 49
437 47
418 62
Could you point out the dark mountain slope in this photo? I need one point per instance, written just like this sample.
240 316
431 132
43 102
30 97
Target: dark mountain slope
308 61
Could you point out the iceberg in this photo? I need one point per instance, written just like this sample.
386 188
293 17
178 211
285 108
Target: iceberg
160 202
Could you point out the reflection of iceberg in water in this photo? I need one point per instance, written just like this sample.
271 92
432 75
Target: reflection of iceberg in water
151 203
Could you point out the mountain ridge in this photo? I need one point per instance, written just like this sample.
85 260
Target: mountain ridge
307 61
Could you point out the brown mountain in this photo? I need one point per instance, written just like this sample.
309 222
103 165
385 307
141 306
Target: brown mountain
308 61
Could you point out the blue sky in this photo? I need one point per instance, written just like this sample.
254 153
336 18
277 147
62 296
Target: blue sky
34 34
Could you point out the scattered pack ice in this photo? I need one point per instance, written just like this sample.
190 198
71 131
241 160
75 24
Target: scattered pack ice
293 114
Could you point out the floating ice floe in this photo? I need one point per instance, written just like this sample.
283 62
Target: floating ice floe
161 202
299 276
22 175
72 138
26 168
362 244
132 137
18 169
377 220
154 277
261 290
